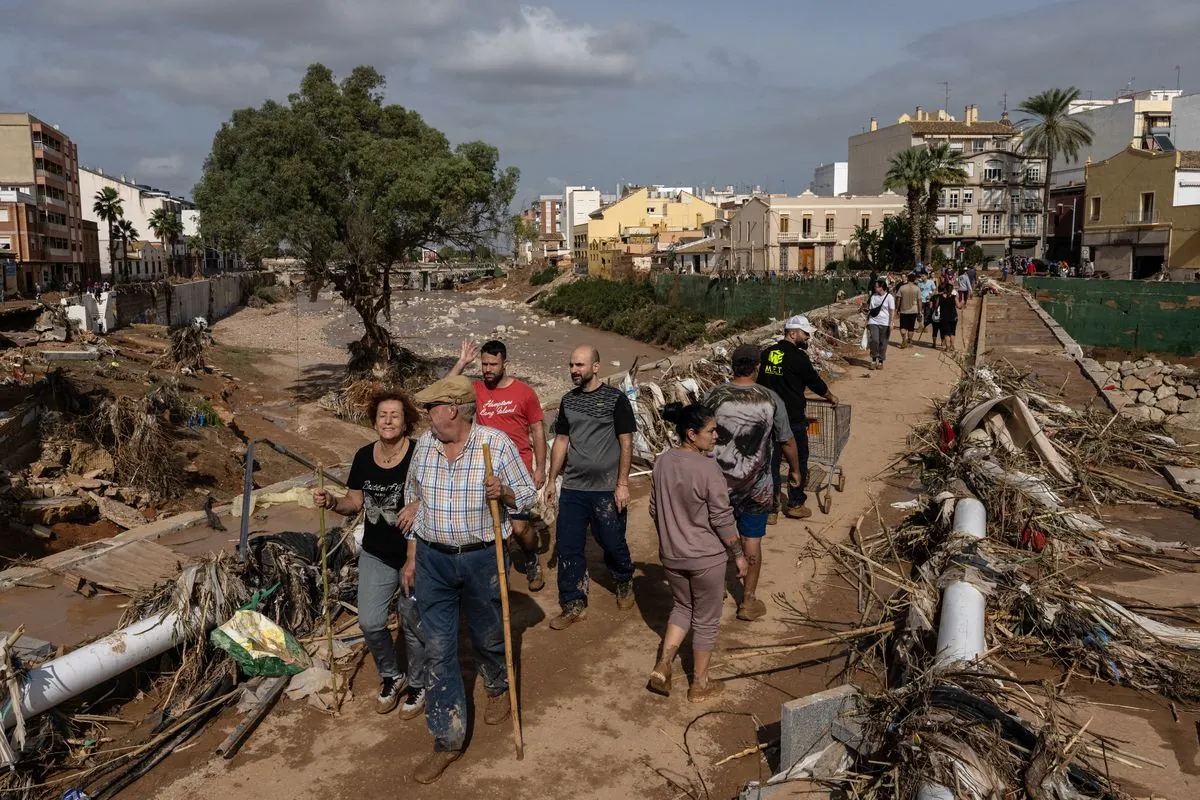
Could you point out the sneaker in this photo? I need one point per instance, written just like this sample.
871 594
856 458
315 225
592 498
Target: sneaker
389 694
434 764
625 595
773 518
798 512
712 688
498 708
751 609
571 613
533 572
414 703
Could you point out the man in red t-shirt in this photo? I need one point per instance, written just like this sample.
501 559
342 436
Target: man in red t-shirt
511 406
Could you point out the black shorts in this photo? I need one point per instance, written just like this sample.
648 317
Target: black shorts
908 322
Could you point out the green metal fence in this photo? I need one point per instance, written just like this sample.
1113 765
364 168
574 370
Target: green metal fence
748 299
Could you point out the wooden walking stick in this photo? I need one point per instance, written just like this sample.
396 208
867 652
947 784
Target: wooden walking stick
325 587
497 530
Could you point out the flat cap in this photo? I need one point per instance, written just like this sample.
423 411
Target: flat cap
456 390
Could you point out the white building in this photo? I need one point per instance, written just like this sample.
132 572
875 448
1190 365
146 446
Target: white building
1143 120
138 201
830 180
578 203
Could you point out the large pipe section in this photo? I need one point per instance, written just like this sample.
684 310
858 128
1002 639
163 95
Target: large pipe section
63 678
961 630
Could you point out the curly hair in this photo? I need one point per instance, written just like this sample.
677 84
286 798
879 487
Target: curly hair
411 414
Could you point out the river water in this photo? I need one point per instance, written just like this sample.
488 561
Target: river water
433 324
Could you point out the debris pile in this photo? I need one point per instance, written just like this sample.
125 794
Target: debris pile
188 345
1154 391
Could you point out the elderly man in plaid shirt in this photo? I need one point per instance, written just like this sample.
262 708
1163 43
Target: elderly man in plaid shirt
456 563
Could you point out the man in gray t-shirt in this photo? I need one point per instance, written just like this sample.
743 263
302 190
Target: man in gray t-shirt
593 446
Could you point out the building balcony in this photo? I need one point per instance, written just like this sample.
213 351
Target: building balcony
57 252
1142 218
52 201
801 238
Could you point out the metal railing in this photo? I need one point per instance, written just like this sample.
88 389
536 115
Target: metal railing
1142 218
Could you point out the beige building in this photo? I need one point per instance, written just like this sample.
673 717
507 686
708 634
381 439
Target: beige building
797 234
998 207
1141 214
643 214
1141 120
39 160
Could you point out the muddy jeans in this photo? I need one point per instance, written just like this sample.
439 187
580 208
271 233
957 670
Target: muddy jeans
796 495
877 337
576 509
377 584
448 584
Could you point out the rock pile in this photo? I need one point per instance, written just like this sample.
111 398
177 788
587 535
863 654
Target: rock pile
1152 390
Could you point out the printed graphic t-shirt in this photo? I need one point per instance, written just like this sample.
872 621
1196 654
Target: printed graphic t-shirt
750 420
592 421
383 497
510 410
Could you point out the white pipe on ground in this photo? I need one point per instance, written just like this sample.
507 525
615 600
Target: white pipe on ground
961 630
76 672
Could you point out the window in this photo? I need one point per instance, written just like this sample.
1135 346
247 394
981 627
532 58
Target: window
953 196
1094 208
3 215
968 196
940 224
866 220
970 168
1029 223
5 243
1033 173
952 226
993 171
978 145
829 224
967 222
783 224
1147 207
806 227
956 146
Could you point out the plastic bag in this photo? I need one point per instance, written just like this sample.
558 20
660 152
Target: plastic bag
259 646
865 344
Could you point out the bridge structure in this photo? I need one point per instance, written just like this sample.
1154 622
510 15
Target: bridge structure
411 276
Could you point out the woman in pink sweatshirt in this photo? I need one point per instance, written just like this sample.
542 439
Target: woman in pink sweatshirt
696 536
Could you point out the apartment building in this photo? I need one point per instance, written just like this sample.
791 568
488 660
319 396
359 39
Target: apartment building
39 160
998 207
831 179
642 214
138 203
1141 120
801 234
1142 214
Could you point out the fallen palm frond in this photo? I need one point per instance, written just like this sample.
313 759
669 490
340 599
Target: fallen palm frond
188 345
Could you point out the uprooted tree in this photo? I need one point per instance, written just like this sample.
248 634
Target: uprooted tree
350 186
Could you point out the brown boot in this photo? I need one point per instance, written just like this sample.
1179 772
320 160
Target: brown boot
660 677
773 518
751 609
625 598
798 512
708 690
572 613
498 708
434 764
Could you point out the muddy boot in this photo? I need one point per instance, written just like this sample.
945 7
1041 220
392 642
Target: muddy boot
710 689
798 512
751 609
571 613
434 764
498 708
533 571
625 599
660 676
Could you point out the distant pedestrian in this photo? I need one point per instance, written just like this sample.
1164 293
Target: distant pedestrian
910 309
881 318
751 419
697 536
946 317
928 288
593 448
964 287
786 369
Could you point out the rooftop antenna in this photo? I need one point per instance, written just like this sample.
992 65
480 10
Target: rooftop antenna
947 85
1177 77
1129 86
1004 103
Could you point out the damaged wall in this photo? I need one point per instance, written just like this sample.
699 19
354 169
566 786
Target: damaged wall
175 305
736 300
1159 317
20 433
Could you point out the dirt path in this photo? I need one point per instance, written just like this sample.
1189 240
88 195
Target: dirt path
591 728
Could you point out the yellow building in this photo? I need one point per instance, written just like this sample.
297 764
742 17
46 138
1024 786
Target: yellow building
1141 214
638 217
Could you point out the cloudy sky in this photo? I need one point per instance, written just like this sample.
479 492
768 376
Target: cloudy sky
696 93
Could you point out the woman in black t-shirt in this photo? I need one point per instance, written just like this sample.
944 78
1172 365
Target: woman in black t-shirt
386 561
947 312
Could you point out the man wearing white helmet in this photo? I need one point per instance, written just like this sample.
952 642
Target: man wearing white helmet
786 369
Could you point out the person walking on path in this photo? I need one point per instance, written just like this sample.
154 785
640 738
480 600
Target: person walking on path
928 287
511 406
593 447
787 371
910 309
945 316
456 560
964 286
881 318
387 559
697 535
751 419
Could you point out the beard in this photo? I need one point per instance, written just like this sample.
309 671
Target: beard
492 381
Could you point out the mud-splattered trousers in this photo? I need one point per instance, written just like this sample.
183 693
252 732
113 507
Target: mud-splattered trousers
576 509
377 585
447 583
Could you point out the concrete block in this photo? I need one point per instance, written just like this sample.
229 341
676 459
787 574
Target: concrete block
807 724
70 355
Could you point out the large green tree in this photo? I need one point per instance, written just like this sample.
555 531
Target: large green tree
943 167
108 209
168 227
350 185
1053 132
908 171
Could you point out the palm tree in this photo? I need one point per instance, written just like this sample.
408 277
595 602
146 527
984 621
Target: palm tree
868 242
168 227
127 233
943 167
108 209
1051 131
908 170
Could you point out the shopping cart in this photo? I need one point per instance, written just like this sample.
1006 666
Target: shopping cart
828 432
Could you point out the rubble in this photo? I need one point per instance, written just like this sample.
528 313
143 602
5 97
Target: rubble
1150 390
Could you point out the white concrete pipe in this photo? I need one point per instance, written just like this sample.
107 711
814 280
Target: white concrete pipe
76 672
961 631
